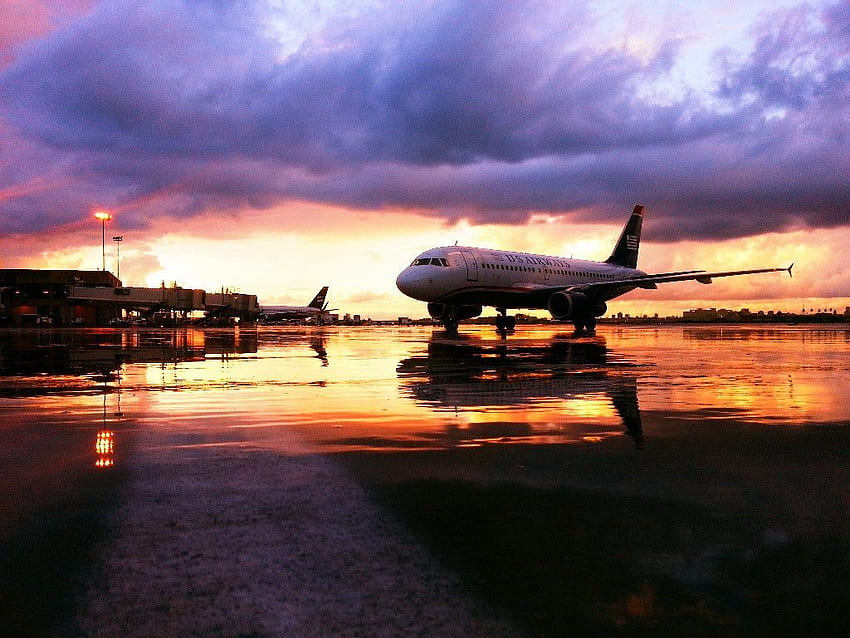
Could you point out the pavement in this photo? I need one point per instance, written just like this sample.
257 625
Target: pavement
707 530
228 541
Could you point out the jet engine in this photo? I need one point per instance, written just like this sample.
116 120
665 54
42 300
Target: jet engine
437 310
569 305
440 311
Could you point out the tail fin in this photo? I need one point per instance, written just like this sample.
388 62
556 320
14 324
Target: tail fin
319 299
626 251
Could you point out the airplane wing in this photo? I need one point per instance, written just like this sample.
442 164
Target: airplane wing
534 286
651 281
613 288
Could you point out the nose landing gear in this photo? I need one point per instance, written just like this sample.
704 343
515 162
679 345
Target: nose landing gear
504 322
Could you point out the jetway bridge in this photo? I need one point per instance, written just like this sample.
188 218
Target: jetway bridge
174 301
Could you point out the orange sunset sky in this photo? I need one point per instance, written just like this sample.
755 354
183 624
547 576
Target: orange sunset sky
273 148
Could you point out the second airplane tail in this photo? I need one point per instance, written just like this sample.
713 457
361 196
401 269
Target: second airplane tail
626 251
319 299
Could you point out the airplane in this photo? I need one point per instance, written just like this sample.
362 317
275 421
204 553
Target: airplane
457 281
316 308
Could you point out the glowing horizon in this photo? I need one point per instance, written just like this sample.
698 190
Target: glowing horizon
373 262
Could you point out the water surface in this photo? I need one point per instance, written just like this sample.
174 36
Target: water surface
327 389
687 468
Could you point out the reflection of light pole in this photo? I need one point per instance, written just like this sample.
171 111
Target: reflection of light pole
118 239
102 215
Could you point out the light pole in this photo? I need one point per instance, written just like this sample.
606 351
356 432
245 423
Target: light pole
102 215
118 239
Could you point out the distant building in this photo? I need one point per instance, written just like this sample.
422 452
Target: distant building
711 314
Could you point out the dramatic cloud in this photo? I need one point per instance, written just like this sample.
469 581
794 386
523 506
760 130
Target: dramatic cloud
486 110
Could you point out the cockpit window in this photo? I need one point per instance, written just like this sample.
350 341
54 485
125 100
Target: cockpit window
431 261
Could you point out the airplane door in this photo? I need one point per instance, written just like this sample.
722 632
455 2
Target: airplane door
471 266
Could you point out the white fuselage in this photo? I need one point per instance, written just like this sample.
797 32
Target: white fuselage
499 278
295 311
316 308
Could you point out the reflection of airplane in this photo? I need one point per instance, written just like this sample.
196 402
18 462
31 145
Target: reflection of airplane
473 375
317 343
457 281
316 308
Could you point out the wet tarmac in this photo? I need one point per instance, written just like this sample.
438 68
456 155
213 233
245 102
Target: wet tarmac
399 481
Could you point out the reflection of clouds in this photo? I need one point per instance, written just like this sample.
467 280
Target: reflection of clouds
506 384
73 367
764 374
97 354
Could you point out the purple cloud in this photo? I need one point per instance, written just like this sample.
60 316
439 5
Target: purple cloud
478 109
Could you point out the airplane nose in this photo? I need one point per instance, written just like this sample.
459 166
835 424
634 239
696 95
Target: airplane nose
408 283
402 282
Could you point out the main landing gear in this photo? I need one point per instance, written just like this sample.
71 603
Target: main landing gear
585 325
504 322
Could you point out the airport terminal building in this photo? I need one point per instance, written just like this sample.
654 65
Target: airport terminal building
30 298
